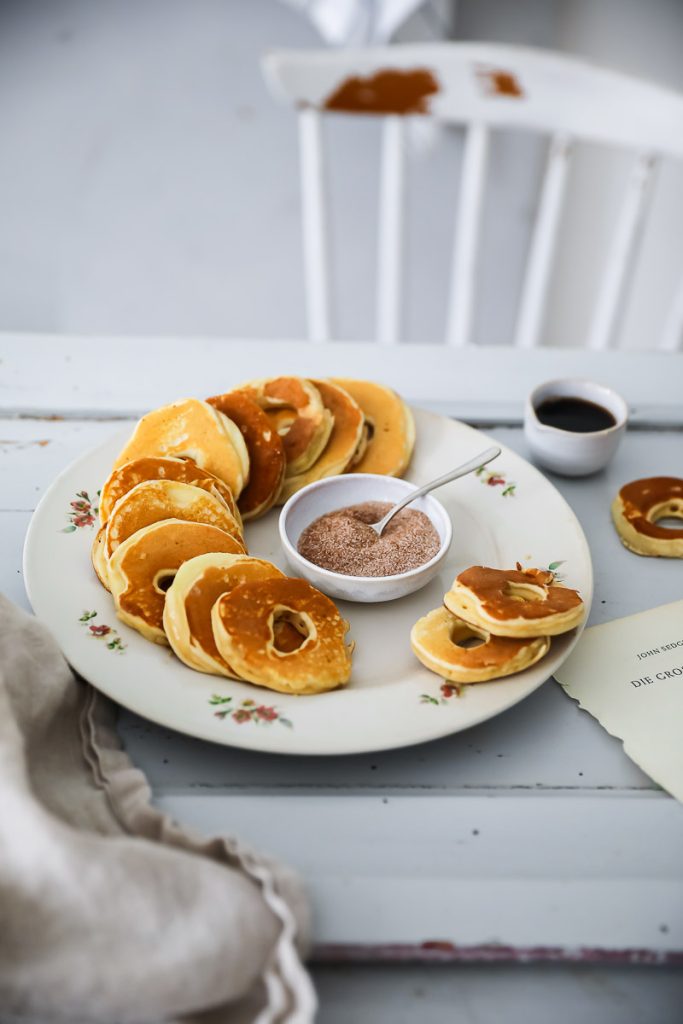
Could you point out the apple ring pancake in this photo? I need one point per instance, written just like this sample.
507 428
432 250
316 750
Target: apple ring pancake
514 602
100 561
297 413
244 627
436 641
267 461
636 510
154 500
195 589
194 429
391 428
346 436
142 569
152 467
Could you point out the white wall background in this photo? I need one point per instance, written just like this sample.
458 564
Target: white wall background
149 183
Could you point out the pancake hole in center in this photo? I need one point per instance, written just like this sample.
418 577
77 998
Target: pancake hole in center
469 641
524 592
466 637
670 522
291 630
163 581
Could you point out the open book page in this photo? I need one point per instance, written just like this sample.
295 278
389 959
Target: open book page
629 675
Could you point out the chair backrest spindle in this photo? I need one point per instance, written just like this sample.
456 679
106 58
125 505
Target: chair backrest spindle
314 221
542 250
465 248
672 338
390 233
621 254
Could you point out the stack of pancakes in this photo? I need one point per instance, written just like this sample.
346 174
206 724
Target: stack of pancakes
171 546
297 431
495 623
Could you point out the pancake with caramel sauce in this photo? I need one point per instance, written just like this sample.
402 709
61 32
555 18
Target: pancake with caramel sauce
391 427
187 613
267 461
514 602
636 512
155 500
437 639
142 569
193 429
345 439
297 413
245 625
151 467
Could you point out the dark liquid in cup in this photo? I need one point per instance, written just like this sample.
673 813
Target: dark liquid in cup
574 414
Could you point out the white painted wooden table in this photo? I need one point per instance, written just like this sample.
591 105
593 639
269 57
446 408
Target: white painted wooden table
531 837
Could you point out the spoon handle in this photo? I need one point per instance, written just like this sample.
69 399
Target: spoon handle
453 474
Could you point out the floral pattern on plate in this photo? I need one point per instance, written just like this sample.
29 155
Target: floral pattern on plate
493 479
447 692
247 711
101 631
82 513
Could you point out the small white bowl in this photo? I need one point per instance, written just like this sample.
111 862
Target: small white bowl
351 489
565 451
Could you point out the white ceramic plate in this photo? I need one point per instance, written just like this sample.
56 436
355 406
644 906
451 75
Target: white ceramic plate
508 513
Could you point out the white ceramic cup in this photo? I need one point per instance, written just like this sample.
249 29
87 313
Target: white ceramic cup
565 451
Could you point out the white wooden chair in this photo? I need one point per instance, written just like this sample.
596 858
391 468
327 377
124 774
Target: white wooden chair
483 87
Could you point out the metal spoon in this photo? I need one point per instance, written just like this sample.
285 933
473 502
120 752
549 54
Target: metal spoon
453 474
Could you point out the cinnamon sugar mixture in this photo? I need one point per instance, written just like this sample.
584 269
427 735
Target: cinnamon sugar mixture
344 542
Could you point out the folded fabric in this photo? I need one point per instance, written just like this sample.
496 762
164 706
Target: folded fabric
109 911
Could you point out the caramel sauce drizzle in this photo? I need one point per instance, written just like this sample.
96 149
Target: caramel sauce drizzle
489 586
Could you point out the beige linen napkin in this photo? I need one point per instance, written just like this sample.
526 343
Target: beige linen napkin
109 911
